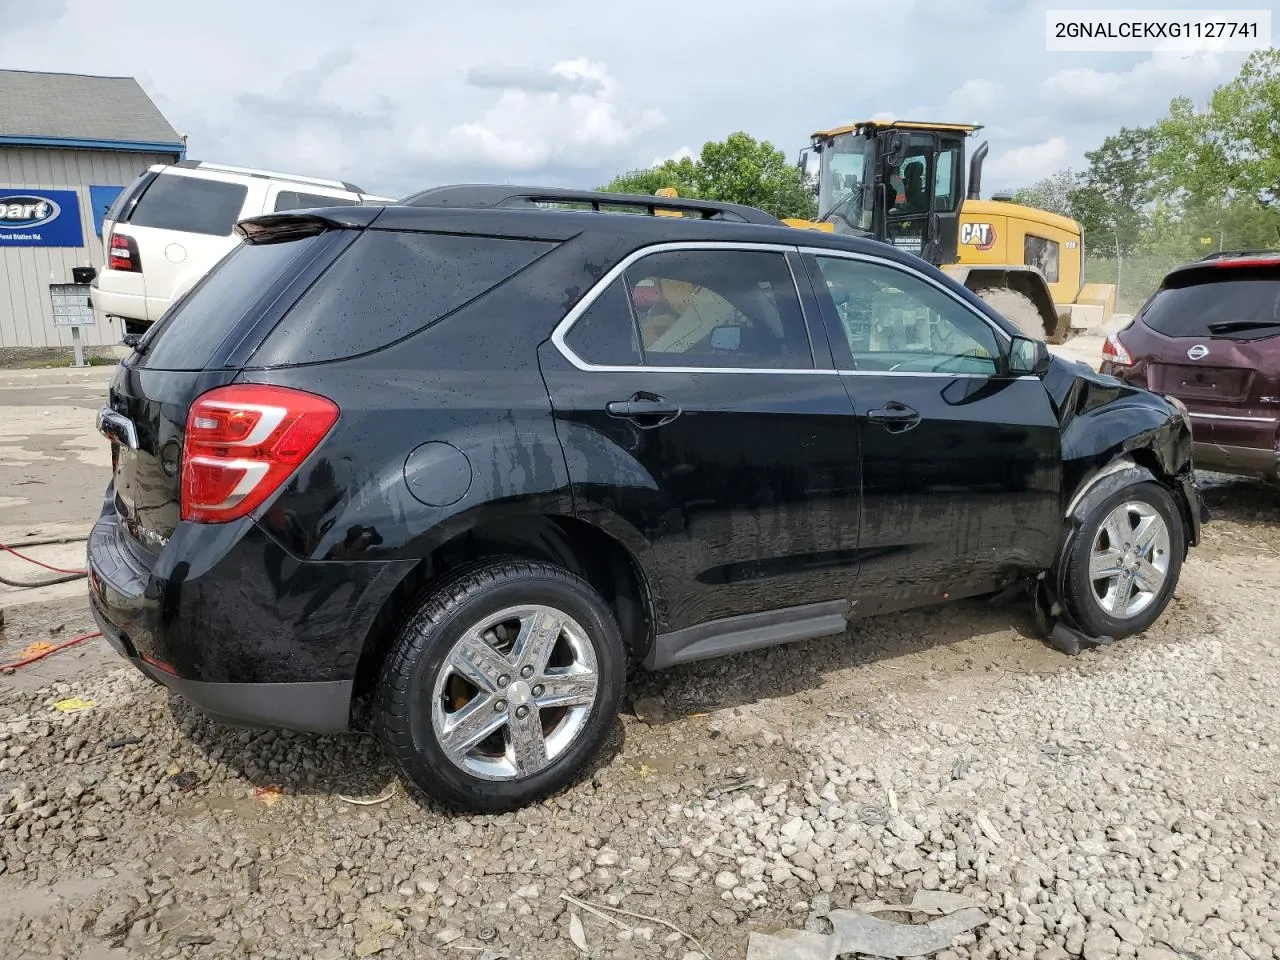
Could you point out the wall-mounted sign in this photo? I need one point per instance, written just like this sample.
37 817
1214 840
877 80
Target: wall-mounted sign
40 218
100 200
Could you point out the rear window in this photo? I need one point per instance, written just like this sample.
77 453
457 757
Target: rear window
186 337
390 285
293 200
1247 308
190 204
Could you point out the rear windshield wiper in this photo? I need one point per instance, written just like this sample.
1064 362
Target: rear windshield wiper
1230 326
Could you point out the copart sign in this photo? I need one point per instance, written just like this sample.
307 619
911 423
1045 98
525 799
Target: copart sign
40 218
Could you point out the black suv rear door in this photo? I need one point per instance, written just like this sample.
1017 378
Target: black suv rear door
961 467
704 425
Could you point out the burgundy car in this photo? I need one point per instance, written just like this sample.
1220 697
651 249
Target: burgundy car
1210 337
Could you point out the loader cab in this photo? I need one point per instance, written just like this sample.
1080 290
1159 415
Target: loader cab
897 181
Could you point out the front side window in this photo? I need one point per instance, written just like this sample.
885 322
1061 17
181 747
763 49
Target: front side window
190 205
1042 254
718 308
895 321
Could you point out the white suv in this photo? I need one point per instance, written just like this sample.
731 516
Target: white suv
175 222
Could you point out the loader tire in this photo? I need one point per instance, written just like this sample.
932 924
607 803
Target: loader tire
1015 307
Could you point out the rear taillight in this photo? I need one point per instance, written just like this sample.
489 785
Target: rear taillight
243 442
122 254
1113 349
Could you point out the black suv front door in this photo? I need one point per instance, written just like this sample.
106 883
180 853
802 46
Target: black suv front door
705 427
961 465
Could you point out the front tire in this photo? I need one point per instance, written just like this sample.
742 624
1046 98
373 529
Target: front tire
1124 563
1017 308
501 685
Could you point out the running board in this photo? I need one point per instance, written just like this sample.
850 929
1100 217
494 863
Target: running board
749 631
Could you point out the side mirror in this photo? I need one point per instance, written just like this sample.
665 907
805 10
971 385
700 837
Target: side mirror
895 149
1027 357
726 337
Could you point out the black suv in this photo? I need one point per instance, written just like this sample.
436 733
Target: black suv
478 451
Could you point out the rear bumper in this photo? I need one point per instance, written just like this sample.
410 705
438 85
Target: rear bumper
316 707
112 303
228 620
1244 461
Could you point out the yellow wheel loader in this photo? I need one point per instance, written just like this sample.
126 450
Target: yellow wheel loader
904 183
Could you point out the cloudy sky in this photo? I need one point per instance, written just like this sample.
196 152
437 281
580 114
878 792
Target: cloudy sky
397 95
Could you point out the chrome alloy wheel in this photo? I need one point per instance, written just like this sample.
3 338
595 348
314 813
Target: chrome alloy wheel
1129 560
515 692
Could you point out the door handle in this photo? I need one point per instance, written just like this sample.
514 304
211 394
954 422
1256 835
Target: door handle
646 411
895 417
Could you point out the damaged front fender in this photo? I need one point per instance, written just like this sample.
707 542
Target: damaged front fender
1108 427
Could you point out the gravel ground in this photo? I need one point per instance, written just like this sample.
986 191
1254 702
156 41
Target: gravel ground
1123 803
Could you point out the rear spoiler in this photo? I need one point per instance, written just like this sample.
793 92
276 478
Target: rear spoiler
282 227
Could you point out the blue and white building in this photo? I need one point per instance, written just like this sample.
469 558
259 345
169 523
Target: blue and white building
68 145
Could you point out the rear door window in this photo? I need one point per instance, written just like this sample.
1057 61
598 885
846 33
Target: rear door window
1244 308
719 308
387 286
190 205
188 335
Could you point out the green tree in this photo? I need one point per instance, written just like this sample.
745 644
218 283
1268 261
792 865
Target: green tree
738 169
681 174
1053 193
1114 194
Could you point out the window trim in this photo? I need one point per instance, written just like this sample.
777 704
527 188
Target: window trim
582 306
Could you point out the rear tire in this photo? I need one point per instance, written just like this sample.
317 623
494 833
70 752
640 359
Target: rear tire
1124 562
501 685
1017 308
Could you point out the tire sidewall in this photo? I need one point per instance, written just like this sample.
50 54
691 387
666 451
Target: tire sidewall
1017 308
1084 604
427 761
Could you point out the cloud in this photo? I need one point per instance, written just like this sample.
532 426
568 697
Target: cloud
971 100
561 79
19 14
1104 95
560 92
1027 164
575 120
684 153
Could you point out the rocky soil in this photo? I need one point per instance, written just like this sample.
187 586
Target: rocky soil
1125 803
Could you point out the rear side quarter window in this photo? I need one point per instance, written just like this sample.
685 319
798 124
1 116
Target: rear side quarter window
190 205
387 286
293 200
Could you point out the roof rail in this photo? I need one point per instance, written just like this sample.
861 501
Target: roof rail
268 174
495 195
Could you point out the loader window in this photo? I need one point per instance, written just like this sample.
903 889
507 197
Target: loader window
894 321
948 179
1042 254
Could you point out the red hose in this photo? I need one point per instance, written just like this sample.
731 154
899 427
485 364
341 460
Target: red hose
44 653
23 556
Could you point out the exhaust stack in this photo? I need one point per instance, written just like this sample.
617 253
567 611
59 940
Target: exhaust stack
975 172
